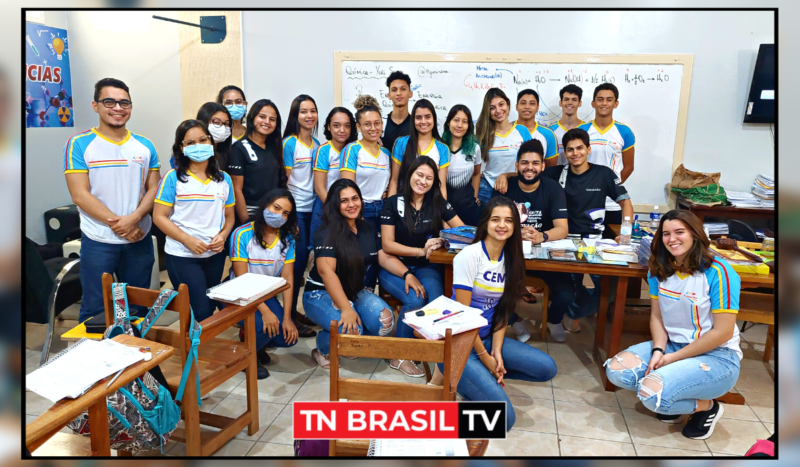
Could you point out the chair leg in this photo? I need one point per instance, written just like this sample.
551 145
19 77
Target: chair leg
770 343
545 302
51 309
744 325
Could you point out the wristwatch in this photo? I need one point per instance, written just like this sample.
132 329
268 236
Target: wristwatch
546 237
657 348
408 271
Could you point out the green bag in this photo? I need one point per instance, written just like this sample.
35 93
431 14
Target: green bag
706 195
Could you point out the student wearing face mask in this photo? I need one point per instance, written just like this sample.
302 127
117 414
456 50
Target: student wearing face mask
219 123
464 173
266 246
232 97
194 208
423 140
339 130
299 144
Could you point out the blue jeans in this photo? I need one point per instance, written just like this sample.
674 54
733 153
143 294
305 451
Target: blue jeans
301 249
430 276
562 293
683 383
586 302
316 221
320 309
521 361
484 192
199 275
372 215
133 263
262 339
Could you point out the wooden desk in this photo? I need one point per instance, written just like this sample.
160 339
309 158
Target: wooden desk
65 410
731 212
624 273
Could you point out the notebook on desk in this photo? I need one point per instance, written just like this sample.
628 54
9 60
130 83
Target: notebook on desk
418 448
245 289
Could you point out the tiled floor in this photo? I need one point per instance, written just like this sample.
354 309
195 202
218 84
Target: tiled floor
569 416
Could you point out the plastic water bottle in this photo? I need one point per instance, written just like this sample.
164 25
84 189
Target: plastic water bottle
655 219
625 231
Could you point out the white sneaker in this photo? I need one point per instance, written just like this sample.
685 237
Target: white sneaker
571 325
557 332
522 331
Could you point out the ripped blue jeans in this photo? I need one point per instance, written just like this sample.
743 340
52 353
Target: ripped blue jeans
682 383
320 309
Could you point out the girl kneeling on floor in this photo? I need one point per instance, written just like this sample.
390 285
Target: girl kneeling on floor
345 249
266 246
489 275
694 355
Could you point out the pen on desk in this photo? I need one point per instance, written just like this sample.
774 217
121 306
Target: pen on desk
448 316
115 378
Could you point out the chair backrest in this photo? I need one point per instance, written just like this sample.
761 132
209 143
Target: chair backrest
37 284
348 345
741 231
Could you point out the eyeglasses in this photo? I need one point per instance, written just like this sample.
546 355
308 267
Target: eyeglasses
228 102
202 140
218 122
110 103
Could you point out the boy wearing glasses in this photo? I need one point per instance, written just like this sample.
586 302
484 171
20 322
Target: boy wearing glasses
112 176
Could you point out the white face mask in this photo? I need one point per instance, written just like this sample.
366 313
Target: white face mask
219 132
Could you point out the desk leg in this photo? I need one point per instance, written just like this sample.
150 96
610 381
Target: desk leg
448 279
602 312
251 374
616 330
98 422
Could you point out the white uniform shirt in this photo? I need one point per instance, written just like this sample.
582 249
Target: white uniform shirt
558 132
327 160
459 174
372 171
486 279
437 150
503 154
267 260
297 157
607 148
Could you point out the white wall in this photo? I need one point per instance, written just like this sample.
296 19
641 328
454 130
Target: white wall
724 43
127 45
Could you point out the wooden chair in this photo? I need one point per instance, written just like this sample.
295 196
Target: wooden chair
759 308
218 361
440 351
533 281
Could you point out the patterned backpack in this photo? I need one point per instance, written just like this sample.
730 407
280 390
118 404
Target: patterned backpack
142 414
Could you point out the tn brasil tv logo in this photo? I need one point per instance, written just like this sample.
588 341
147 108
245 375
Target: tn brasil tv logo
399 420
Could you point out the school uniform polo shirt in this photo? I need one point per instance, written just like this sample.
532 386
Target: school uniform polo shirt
258 167
260 258
198 208
545 136
393 214
474 271
503 154
372 170
437 150
368 245
298 157
117 174
558 132
607 145
689 302
327 160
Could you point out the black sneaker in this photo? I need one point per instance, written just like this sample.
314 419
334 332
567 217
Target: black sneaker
672 419
263 356
261 372
701 424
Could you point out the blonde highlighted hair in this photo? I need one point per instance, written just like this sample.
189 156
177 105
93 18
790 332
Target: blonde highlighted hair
366 103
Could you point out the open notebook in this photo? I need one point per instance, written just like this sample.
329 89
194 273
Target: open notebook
418 448
245 289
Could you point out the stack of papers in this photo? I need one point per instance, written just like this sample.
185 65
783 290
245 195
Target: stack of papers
418 448
75 370
564 244
245 289
742 199
716 228
470 318
764 189
463 234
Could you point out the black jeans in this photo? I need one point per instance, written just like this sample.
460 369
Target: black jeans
199 275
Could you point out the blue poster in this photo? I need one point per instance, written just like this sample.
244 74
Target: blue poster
48 84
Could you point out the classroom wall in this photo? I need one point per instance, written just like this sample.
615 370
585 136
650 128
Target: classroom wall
725 45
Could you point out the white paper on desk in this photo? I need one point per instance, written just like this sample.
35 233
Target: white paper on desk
80 367
418 448
246 287
471 318
563 244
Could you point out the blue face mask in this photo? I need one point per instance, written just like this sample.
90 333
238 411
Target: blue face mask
236 111
199 152
274 220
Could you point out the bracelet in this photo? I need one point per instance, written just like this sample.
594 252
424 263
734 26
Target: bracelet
408 271
484 351
657 348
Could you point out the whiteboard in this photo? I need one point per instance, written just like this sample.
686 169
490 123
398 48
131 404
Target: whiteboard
651 100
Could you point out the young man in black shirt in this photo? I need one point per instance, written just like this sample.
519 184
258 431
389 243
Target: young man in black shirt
543 212
398 122
586 186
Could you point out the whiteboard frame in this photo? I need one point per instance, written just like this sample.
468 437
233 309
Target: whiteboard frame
687 60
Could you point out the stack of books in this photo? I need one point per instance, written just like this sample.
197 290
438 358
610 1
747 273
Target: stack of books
764 189
458 237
